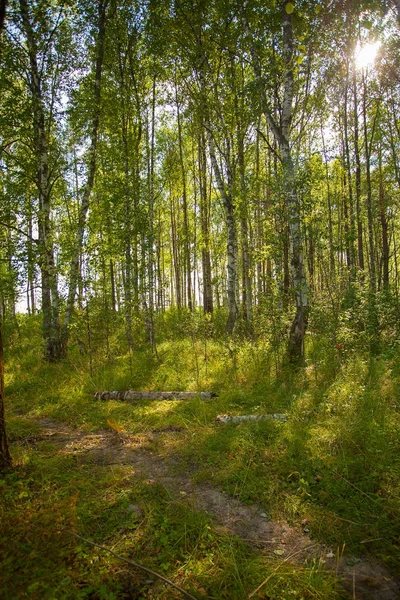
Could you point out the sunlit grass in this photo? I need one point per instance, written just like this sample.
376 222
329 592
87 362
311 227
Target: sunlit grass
334 462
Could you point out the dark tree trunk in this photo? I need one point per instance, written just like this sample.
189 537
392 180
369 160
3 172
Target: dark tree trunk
350 227
384 226
3 7
205 228
358 176
230 219
5 456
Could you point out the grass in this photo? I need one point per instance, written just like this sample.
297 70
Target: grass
334 464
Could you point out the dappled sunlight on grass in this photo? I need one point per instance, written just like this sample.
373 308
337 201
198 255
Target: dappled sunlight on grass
333 464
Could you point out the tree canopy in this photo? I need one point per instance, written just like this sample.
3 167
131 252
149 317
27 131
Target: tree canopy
214 156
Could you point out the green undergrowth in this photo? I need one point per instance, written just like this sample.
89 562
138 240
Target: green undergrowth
50 496
334 465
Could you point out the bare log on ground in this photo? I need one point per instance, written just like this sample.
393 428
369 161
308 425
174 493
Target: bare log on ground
132 395
239 418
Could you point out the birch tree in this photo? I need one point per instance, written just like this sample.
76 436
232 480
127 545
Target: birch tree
282 132
102 6
44 179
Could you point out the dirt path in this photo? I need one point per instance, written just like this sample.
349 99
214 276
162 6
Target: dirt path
364 579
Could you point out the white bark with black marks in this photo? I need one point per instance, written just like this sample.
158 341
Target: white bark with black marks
282 132
92 163
50 300
232 266
133 395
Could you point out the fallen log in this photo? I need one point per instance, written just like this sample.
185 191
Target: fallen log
239 418
133 395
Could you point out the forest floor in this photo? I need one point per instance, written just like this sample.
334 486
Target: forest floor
305 508
363 578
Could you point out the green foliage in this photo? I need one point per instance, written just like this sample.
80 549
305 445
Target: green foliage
333 463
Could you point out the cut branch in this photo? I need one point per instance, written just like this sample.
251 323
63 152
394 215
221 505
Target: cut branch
133 563
240 418
133 395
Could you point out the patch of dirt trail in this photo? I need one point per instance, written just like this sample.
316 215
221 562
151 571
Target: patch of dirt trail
363 578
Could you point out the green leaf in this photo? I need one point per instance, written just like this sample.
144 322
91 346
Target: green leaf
318 9
289 8
367 24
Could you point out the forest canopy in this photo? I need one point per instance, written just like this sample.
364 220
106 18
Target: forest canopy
231 157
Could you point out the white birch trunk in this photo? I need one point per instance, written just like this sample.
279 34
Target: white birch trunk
232 267
50 301
84 207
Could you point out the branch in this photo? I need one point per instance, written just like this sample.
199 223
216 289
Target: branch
133 563
133 395
271 148
256 62
48 41
240 418
4 147
277 569
21 231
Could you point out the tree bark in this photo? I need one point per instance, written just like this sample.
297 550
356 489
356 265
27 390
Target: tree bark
92 160
243 418
329 202
397 7
281 133
186 232
232 267
384 226
50 300
350 229
5 456
205 227
368 146
358 175
133 395
148 299
3 8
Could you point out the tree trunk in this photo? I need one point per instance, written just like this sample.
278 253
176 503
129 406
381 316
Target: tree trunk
5 456
3 7
204 206
247 294
384 226
227 200
397 7
329 202
175 252
368 145
186 233
92 159
299 324
281 133
50 301
149 304
358 176
351 229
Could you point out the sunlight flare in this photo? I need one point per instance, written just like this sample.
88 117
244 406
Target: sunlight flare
365 56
